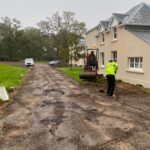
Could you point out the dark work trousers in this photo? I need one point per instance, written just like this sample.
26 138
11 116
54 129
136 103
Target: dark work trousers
111 84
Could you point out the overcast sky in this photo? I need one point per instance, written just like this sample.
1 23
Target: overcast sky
30 12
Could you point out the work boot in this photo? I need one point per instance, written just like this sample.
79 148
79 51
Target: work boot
111 96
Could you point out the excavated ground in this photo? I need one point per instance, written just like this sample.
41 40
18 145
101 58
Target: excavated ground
52 112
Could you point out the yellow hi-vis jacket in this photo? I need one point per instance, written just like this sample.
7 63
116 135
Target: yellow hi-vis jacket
111 68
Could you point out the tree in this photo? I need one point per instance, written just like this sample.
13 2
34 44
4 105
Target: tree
78 53
16 43
37 44
65 32
58 32
8 31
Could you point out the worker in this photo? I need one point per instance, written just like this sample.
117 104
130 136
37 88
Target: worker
110 70
92 60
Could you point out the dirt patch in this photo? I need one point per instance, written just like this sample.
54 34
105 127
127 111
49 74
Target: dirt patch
124 88
51 112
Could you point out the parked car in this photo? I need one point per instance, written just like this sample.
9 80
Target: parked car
54 62
29 62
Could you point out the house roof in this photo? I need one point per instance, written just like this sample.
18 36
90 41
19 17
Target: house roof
120 17
138 15
96 27
144 35
105 24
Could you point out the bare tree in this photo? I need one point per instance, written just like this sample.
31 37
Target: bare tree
65 30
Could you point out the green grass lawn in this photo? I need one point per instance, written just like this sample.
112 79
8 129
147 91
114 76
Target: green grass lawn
73 73
11 76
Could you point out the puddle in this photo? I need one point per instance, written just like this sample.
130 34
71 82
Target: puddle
45 121
47 103
53 91
51 121
92 115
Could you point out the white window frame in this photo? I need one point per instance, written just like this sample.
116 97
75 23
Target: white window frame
114 55
114 33
102 59
136 64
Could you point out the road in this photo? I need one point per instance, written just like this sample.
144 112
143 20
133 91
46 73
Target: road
52 112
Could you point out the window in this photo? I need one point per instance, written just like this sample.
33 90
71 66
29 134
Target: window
114 33
114 55
102 60
135 62
102 38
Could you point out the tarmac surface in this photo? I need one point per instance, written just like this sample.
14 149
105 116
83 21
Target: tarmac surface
52 112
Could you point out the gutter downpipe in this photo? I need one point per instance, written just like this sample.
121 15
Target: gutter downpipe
106 48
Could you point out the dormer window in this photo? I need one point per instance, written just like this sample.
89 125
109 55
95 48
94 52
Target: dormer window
114 33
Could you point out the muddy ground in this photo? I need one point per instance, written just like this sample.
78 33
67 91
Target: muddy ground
52 112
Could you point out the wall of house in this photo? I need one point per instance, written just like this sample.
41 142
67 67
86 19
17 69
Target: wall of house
132 46
103 47
91 38
80 62
128 45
